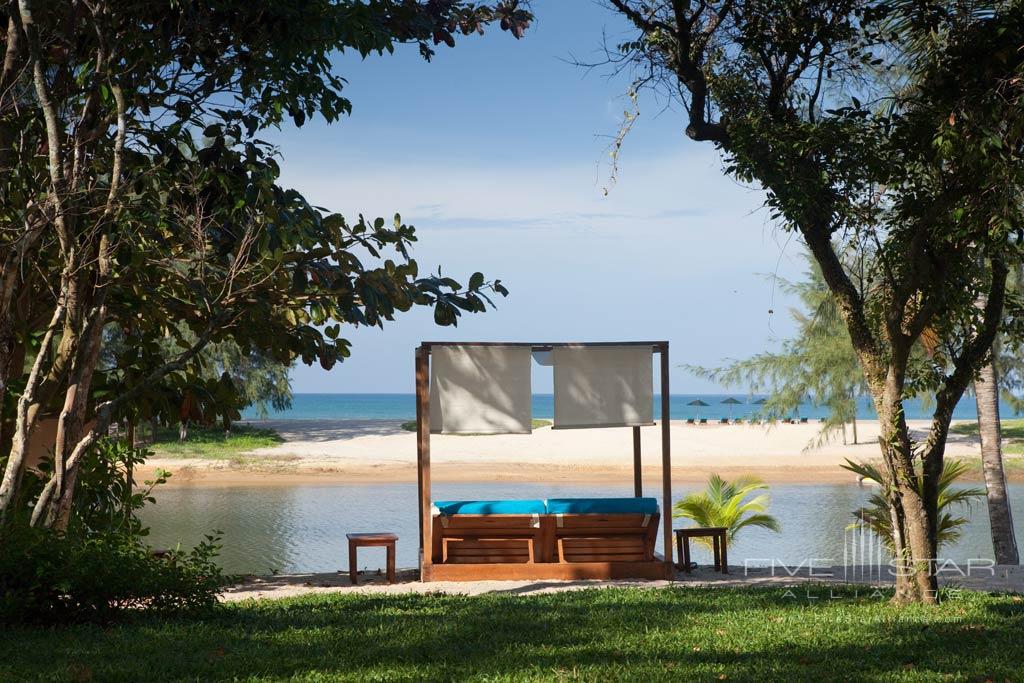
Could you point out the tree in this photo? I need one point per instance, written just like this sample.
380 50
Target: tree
986 395
728 504
136 192
811 101
818 362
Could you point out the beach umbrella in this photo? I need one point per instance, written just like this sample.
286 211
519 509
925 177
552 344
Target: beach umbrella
760 401
697 402
731 402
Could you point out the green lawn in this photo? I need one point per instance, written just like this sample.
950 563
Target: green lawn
537 424
617 634
211 443
1013 433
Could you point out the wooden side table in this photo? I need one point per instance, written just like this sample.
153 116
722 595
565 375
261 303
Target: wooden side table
355 541
718 540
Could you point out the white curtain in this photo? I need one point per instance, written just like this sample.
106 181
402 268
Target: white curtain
480 390
603 386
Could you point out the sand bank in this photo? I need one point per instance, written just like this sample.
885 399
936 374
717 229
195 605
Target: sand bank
324 452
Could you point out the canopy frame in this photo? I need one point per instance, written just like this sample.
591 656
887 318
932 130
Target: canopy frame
423 438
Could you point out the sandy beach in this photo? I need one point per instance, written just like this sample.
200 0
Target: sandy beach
352 451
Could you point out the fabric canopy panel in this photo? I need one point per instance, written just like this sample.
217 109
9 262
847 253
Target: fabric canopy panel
603 386
480 390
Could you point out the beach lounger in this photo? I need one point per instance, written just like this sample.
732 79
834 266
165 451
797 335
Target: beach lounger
703 421
488 532
560 530
724 421
604 529
691 421
803 420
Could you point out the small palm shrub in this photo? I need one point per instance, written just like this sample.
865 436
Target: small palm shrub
734 505
875 515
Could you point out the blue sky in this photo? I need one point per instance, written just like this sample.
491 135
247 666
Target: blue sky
497 152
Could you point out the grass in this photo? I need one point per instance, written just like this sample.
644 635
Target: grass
611 634
536 424
211 443
1013 434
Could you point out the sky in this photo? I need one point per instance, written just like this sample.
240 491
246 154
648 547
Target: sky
497 152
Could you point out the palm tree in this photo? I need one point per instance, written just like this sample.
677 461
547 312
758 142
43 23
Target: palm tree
725 504
875 515
986 395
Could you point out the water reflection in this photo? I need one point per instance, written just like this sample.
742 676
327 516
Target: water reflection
302 528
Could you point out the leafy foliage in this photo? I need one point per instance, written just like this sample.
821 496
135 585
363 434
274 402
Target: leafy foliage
100 568
892 130
876 517
52 578
728 504
137 194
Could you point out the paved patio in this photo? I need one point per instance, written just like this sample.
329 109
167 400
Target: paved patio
983 577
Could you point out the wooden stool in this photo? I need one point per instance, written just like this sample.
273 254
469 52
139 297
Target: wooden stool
717 535
355 541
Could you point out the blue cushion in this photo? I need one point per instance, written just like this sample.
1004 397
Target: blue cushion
602 506
490 507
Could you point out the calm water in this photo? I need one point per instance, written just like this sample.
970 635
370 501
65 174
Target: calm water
302 528
403 407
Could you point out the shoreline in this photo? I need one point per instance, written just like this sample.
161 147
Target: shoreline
331 452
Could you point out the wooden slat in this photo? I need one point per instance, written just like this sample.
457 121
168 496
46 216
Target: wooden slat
495 552
605 557
488 522
620 542
604 522
499 543
488 559
650 569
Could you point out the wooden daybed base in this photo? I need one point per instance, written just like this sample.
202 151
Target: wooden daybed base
471 547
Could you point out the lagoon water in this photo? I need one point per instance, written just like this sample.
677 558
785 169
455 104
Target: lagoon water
302 528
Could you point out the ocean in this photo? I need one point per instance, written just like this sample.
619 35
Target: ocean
403 407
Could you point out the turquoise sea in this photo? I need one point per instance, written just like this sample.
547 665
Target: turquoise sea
403 407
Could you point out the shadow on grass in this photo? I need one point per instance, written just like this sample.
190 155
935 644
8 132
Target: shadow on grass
595 634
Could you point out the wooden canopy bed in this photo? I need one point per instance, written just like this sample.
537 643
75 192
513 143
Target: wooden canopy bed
600 538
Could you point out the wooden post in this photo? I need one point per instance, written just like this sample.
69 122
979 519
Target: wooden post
638 482
423 449
666 461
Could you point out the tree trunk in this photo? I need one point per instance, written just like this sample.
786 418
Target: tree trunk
913 528
986 392
853 422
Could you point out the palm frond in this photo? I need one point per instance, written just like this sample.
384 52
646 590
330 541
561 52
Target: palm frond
729 504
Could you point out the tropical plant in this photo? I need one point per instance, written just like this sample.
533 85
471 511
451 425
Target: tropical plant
728 504
876 517
136 191
892 127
